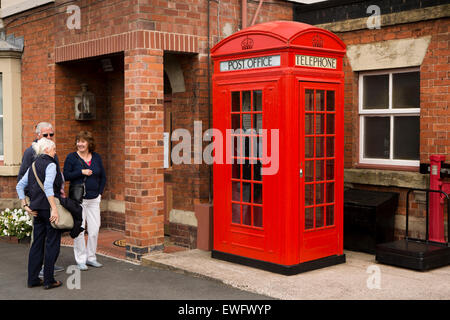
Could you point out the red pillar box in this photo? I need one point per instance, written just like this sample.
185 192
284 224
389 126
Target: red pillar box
278 172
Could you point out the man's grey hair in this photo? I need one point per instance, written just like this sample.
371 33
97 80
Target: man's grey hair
42 125
42 145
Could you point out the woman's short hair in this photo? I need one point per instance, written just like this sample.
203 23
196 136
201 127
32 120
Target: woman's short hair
87 136
42 144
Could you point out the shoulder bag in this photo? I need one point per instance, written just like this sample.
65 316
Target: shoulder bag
65 220
78 191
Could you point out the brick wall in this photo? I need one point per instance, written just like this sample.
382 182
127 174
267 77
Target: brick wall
434 114
434 86
129 122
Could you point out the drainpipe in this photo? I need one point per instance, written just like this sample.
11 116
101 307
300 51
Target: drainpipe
209 99
257 12
244 14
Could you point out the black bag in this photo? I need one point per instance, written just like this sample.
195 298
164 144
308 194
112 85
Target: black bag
77 192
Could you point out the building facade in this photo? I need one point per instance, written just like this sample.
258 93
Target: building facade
396 94
147 65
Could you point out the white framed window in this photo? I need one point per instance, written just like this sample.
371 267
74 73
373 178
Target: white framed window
1 116
389 113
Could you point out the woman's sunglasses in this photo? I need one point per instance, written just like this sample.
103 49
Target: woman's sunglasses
48 134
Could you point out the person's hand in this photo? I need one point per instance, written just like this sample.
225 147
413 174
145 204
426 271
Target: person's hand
63 193
30 212
54 217
86 172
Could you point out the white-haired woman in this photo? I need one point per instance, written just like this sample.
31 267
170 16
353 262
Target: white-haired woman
42 206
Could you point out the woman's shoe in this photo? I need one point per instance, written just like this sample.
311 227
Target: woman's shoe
53 285
82 266
94 264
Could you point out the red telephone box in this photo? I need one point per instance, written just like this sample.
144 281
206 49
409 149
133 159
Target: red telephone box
278 99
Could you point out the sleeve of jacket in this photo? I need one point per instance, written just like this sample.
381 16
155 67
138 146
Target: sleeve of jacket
71 170
27 160
102 176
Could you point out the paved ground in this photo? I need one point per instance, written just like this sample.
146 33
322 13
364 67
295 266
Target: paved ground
193 274
354 280
118 279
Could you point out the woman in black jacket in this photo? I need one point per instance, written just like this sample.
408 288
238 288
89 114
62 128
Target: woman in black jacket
85 167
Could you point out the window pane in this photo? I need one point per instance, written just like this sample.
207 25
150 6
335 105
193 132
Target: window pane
1 136
246 100
320 193
320 144
319 217
309 171
330 169
236 213
405 90
330 123
235 105
257 193
330 146
329 215
330 193
257 216
309 100
330 101
246 192
320 100
309 147
246 121
406 138
376 137
236 144
246 147
236 171
320 170
247 170
257 119
309 123
246 215
257 100
309 194
257 171
320 123
1 96
236 191
235 121
309 218
376 92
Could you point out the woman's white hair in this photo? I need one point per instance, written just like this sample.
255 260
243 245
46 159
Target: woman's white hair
43 144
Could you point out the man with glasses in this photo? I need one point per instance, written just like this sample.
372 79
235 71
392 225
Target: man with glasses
43 129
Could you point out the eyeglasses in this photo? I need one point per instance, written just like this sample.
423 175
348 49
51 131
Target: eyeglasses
48 134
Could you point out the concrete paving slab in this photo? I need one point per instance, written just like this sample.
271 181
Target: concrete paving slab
360 278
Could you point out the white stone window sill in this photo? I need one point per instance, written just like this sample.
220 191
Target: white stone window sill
9 171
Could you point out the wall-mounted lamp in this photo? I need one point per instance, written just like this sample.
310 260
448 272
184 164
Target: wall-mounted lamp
84 104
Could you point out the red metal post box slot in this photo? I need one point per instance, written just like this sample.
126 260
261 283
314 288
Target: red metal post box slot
278 98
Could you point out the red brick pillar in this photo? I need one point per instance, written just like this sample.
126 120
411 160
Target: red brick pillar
144 152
